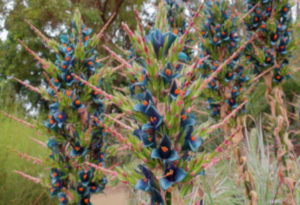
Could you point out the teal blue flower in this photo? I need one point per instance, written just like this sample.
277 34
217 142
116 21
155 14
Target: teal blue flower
191 142
77 103
215 41
281 48
148 184
160 41
155 119
82 190
274 38
169 74
215 109
78 150
164 151
229 76
232 102
85 200
86 177
95 188
183 57
54 191
172 175
52 144
51 123
147 103
63 199
213 85
187 119
68 79
278 77
235 92
60 118
148 140
174 91
285 10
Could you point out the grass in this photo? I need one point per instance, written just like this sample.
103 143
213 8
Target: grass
226 187
13 188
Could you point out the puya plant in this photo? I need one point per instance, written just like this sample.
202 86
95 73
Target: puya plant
78 142
219 37
226 94
271 54
165 139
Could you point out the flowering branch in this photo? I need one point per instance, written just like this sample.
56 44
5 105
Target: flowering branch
26 176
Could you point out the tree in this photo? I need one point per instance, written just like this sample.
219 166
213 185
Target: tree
52 17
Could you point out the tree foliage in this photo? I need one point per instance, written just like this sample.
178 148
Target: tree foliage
52 18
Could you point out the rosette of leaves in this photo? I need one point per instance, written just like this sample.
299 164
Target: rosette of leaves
272 22
76 112
220 40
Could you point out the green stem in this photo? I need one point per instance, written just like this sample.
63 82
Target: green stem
168 198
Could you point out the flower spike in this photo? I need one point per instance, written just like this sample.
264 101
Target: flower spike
26 176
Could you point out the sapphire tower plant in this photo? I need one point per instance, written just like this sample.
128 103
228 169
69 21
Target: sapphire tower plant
78 142
165 138
272 21
219 40
271 55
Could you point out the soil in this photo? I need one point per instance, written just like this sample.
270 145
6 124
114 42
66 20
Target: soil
112 196
120 195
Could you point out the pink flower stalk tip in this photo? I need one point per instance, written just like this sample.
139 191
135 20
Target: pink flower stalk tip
37 31
106 95
174 49
180 102
107 171
36 56
26 176
219 149
34 160
17 119
124 174
149 62
118 58
146 49
104 28
140 145
127 29
139 40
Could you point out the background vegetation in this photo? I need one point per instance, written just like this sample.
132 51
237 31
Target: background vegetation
52 17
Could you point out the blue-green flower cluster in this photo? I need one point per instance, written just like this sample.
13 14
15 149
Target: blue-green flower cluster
175 17
219 37
272 21
166 130
78 137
